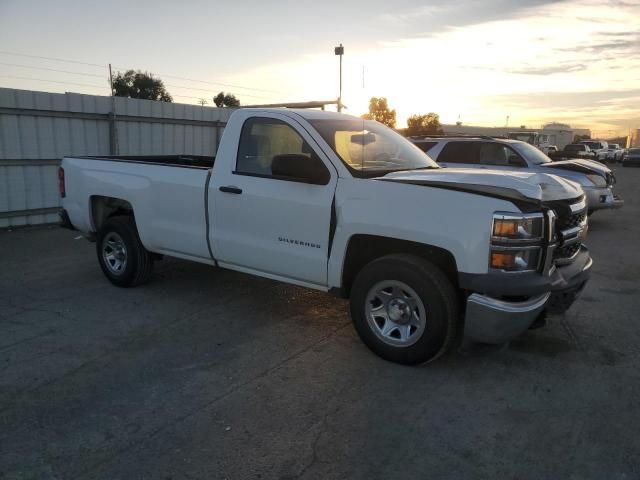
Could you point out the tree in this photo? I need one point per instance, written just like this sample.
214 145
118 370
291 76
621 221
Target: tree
140 85
226 100
428 124
579 138
379 111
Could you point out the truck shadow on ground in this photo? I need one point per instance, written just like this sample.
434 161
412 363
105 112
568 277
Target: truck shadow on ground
261 304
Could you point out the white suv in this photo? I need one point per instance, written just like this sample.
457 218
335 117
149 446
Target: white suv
596 179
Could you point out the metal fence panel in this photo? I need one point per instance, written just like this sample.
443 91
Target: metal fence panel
37 129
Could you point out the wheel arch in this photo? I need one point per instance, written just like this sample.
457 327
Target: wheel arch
364 248
101 208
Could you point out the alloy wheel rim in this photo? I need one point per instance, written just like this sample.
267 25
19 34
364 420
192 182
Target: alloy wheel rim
395 313
114 253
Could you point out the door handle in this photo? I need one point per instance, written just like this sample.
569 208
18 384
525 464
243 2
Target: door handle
231 189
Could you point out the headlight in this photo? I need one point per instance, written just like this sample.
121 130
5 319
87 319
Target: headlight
516 241
524 227
517 260
597 180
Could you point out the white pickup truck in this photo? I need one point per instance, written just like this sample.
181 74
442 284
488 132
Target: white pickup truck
426 255
600 149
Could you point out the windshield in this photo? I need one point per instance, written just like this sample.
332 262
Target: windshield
531 153
369 148
635 151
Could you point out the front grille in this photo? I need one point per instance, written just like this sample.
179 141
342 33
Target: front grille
569 241
571 221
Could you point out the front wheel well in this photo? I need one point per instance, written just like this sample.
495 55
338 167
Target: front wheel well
363 249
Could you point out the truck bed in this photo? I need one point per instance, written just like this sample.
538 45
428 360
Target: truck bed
166 192
189 161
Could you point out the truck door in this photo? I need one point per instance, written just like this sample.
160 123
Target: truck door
266 223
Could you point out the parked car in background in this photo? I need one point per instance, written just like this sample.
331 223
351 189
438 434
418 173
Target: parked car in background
597 180
551 149
614 152
600 148
334 203
631 158
574 150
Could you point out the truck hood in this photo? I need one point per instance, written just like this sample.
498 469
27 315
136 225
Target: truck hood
582 166
527 187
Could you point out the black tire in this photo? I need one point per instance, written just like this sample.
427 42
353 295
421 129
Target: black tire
139 262
434 289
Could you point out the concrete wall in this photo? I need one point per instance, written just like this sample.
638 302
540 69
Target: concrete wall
38 128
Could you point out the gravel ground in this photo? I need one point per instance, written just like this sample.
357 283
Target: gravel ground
206 374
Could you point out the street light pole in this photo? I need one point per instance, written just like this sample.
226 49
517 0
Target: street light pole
340 51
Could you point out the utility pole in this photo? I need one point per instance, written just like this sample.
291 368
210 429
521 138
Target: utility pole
340 51
113 132
110 80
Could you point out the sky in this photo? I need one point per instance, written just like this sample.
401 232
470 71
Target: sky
527 62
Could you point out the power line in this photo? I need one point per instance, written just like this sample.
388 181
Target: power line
52 58
210 92
186 96
53 70
101 76
230 85
164 75
53 81
222 84
15 77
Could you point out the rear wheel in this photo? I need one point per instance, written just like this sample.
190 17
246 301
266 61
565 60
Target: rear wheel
122 257
405 309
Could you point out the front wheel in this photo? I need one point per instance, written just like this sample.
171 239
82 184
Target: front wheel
405 309
122 257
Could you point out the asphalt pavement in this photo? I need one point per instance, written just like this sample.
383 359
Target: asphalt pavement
211 374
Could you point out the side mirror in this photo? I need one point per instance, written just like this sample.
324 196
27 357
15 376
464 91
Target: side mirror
301 168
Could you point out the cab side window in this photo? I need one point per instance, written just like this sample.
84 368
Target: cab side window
262 139
493 154
514 158
459 152
500 155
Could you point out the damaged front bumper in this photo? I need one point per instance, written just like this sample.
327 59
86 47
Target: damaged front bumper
489 319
